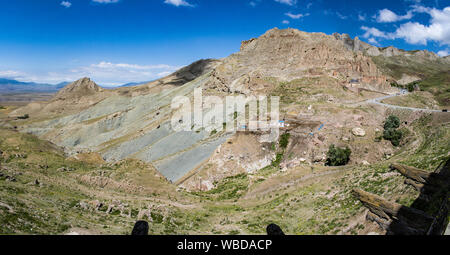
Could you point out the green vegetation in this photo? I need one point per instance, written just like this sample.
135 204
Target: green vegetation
277 160
242 204
434 75
230 188
391 132
338 156
283 143
24 117
2 107
438 84
284 140
393 135
392 122
412 86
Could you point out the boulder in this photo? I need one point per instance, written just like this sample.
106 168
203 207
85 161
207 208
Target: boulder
358 132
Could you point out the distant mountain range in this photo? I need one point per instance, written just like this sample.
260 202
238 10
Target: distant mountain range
14 86
132 84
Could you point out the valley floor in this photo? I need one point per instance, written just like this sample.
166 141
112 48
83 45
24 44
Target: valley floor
44 192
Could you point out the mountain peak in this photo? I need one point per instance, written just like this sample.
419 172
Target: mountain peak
82 87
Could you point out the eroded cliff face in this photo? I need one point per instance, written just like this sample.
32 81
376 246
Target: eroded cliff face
292 54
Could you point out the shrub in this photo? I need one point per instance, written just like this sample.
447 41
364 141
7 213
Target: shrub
277 160
390 130
393 135
395 84
24 117
410 87
284 140
338 156
392 122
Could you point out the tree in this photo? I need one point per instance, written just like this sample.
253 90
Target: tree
392 122
393 135
338 156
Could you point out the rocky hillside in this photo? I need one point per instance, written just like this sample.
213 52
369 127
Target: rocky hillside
78 89
114 146
427 69
311 73
291 54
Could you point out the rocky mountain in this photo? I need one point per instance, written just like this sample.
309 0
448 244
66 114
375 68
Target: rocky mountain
360 46
80 88
103 158
292 54
304 69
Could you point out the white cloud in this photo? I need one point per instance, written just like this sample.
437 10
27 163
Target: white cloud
285 22
373 41
254 3
106 1
387 16
374 32
341 16
438 30
10 74
66 4
362 17
288 2
106 65
443 53
178 3
296 16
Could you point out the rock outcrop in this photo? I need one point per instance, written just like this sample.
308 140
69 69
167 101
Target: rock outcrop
80 88
359 46
290 54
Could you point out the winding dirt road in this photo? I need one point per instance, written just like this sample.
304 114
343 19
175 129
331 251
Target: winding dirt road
379 99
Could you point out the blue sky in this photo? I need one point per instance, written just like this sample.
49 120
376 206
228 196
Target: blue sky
120 41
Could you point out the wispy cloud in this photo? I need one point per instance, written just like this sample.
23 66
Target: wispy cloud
66 4
286 22
288 2
373 41
296 16
178 3
11 74
254 3
341 16
362 17
375 32
106 1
